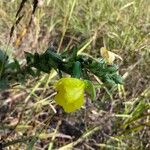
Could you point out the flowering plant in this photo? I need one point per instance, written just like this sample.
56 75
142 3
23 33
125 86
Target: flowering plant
79 66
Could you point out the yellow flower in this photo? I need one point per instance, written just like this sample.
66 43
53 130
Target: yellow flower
108 56
70 93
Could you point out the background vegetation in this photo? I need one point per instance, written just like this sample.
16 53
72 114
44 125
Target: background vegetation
119 117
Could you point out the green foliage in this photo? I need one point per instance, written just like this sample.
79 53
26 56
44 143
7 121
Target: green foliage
90 89
77 69
75 65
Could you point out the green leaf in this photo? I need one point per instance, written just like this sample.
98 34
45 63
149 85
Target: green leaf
31 72
29 58
111 69
90 89
74 54
52 55
17 65
109 81
118 79
77 69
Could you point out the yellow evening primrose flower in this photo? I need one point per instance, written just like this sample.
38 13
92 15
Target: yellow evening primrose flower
70 93
108 56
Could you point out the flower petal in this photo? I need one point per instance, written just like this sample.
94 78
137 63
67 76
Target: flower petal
59 98
71 107
70 93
